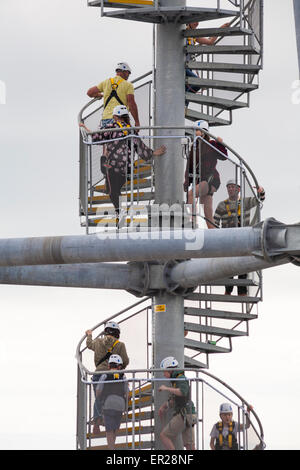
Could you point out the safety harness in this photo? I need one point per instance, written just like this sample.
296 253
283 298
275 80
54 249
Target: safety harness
191 41
114 94
232 442
113 388
108 354
228 208
121 126
180 402
238 211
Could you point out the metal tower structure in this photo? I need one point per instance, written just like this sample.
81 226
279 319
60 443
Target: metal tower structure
169 265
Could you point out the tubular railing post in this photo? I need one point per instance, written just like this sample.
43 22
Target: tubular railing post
202 419
194 202
133 411
131 170
86 155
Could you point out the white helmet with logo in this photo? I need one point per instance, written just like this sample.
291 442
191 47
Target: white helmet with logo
201 125
115 359
111 325
225 408
169 361
120 110
123 66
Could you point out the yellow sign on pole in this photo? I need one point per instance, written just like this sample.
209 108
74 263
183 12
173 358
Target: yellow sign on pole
160 308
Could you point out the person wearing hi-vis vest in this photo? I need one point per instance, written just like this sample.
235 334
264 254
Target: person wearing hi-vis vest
116 91
116 162
228 215
223 435
103 347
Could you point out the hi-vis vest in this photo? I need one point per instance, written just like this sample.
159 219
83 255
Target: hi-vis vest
114 94
230 441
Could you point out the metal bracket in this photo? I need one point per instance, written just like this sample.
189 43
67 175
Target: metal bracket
171 287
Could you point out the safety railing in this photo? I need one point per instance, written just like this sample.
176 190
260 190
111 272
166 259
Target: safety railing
141 425
139 188
138 422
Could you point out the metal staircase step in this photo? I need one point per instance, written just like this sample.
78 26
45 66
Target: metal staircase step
136 196
140 183
212 330
176 14
193 363
121 3
222 49
145 390
204 347
141 402
220 103
193 115
222 298
223 67
214 101
221 84
139 416
138 430
222 314
126 445
228 31
232 282
113 222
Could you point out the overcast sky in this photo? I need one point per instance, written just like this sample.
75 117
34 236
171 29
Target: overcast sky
51 53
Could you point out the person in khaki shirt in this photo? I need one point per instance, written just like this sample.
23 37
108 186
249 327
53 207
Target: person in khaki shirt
116 91
103 347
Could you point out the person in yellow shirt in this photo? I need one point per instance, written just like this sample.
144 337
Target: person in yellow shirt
116 91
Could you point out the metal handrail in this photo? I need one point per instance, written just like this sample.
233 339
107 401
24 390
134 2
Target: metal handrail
80 118
192 379
121 312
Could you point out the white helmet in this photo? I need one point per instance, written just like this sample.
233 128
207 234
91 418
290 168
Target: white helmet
225 408
112 325
169 361
232 182
123 66
120 110
201 125
115 359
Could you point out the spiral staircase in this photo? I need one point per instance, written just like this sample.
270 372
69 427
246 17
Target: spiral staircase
227 72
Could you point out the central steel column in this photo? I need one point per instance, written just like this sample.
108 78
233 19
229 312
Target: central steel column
168 310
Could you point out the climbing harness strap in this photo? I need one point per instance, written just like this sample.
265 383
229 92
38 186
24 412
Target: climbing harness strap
191 41
228 208
114 94
108 354
121 126
230 433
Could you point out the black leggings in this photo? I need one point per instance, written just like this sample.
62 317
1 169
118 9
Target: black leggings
114 182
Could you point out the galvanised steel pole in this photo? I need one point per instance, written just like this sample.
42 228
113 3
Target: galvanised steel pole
297 25
168 310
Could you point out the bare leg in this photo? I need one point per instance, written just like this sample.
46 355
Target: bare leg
207 201
111 439
168 444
